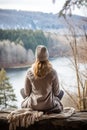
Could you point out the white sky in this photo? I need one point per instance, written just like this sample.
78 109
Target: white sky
36 5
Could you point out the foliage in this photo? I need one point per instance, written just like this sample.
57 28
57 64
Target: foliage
81 76
12 54
15 46
29 38
7 95
71 4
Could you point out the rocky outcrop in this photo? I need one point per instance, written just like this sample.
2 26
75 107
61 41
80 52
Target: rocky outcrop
77 121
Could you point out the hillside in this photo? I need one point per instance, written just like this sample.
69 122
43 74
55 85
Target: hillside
13 19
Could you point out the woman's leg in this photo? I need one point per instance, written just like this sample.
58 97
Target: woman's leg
60 95
22 93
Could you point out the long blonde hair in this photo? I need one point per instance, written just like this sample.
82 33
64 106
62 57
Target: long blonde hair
42 68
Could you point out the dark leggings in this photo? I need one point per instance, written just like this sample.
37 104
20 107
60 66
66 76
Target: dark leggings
60 95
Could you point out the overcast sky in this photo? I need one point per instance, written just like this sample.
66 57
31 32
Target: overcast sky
36 5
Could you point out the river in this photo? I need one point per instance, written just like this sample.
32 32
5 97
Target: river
63 66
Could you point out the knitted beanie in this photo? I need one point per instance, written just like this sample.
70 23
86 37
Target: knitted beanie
41 53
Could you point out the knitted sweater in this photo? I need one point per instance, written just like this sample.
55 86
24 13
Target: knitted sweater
42 92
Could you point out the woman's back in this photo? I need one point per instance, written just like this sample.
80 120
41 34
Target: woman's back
43 90
41 84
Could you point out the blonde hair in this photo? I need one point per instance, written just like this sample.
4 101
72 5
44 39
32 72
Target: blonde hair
42 68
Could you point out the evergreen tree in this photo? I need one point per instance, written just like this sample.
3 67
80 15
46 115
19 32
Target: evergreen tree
7 96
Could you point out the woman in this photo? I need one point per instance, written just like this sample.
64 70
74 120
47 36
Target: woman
41 91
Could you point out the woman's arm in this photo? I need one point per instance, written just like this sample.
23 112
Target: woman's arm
27 87
55 85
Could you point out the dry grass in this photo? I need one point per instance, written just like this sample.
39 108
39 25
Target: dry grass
68 102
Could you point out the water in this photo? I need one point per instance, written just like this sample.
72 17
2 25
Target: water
17 79
63 66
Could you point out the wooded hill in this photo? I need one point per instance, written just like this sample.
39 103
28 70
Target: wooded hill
14 19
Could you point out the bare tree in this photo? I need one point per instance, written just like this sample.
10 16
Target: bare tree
81 77
70 5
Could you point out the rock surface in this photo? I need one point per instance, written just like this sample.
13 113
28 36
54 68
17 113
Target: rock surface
77 121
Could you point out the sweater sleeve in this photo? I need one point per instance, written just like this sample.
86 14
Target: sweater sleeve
55 84
27 87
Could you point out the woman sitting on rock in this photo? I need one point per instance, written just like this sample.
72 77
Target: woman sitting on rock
41 91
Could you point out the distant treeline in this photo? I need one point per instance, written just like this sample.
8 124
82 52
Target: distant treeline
17 47
28 38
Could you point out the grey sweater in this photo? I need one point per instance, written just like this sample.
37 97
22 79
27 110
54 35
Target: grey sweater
42 92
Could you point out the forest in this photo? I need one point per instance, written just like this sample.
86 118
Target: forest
17 46
27 38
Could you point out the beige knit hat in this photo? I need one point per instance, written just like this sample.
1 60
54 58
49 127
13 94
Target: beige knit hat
41 53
